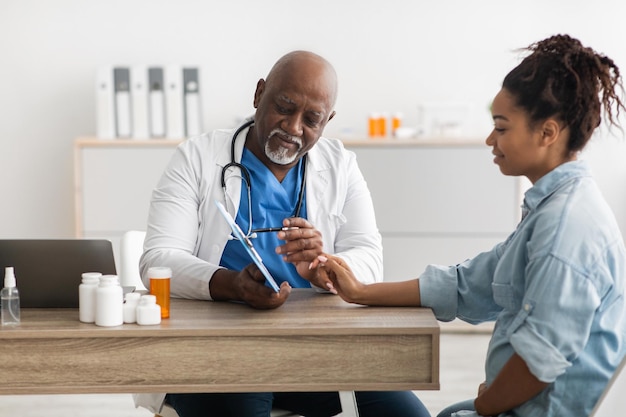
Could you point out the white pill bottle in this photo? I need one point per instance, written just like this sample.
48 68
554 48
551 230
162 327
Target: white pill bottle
109 302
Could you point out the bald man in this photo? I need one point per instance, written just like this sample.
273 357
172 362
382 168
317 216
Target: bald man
276 171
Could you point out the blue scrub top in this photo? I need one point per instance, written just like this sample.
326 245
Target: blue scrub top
273 201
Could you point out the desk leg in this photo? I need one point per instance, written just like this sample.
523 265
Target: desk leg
348 404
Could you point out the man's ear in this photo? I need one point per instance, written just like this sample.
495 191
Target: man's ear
260 87
550 132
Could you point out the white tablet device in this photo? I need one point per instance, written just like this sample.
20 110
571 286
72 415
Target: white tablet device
247 244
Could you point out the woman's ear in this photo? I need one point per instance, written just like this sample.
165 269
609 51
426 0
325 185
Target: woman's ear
550 132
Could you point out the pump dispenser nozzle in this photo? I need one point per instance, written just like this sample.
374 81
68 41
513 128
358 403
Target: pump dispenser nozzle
9 277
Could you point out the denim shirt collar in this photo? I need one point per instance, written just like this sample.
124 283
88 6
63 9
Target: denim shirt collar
552 181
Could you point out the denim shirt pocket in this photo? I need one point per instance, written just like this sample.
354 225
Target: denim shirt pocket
504 296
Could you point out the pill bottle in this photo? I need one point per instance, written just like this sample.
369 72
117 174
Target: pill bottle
160 277
373 125
131 301
87 296
396 123
148 311
382 124
109 302
10 299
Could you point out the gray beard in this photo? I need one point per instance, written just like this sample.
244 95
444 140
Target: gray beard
280 156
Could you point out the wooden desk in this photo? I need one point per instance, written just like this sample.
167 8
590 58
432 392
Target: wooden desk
314 342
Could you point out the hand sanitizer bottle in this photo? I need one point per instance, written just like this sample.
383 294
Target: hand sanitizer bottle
10 299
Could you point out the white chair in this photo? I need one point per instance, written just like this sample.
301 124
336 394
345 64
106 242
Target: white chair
131 248
612 402
167 411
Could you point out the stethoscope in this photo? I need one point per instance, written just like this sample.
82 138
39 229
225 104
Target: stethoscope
245 175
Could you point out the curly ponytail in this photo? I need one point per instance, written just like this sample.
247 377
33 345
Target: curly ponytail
563 79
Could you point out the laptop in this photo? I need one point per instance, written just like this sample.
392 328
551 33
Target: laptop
48 271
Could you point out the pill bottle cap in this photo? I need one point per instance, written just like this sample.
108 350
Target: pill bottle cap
132 296
109 280
9 277
147 299
159 272
91 277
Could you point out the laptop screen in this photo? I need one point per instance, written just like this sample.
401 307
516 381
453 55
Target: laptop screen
48 271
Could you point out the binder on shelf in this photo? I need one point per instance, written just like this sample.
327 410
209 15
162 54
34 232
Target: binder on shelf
121 88
174 107
156 102
142 102
105 108
139 100
192 108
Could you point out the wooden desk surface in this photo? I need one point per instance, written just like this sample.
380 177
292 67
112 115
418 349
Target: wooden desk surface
314 342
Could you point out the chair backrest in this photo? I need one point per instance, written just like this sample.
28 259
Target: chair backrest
131 248
613 399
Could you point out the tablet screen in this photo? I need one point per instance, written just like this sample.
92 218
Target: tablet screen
247 244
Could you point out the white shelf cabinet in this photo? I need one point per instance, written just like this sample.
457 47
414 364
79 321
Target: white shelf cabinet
113 185
436 202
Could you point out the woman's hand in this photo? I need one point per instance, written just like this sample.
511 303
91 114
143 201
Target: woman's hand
341 277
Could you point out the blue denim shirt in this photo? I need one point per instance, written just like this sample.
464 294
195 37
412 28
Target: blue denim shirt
555 288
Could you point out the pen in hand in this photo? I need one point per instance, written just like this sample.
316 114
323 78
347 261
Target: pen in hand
276 229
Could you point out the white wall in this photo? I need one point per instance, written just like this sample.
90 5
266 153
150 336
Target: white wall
390 55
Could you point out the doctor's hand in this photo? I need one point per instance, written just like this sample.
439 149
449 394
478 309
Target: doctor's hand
303 244
247 285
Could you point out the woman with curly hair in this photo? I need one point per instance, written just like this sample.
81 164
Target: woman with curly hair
555 287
